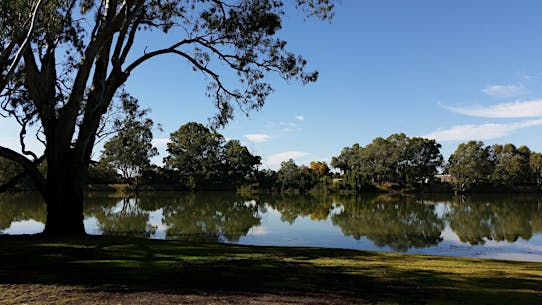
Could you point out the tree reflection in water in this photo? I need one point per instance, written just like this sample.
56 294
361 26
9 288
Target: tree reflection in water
209 216
122 217
292 207
21 207
400 223
478 219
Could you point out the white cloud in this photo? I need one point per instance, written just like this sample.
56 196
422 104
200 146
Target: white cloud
160 141
274 161
299 117
257 137
479 132
505 91
519 109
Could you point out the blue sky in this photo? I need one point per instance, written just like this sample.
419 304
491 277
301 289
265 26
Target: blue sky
450 70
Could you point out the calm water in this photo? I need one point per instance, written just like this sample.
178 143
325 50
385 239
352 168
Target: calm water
504 226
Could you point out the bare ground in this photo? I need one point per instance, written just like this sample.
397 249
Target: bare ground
56 294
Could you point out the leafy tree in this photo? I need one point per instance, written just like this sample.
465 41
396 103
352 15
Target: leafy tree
130 150
511 164
196 153
267 179
291 176
319 168
397 159
239 163
469 164
81 52
102 173
346 160
423 158
535 165
17 22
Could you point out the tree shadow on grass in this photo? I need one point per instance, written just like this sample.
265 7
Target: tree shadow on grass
116 264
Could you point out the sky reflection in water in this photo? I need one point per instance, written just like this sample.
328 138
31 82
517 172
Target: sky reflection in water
502 227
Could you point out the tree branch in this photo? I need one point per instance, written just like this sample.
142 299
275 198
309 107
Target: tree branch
28 166
22 47
12 182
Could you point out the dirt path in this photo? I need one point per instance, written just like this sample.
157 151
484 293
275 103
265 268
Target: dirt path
53 294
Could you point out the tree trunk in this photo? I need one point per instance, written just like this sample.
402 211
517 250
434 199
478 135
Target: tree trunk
64 197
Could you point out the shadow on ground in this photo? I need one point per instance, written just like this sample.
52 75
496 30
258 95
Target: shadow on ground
99 264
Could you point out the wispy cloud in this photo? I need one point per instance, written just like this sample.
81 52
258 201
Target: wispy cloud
285 126
258 137
274 161
519 109
505 91
300 117
160 141
479 132
528 76
289 126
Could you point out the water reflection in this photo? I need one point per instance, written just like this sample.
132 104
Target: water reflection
123 217
292 207
478 219
400 223
21 207
209 217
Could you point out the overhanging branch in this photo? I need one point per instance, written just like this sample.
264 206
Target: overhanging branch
28 166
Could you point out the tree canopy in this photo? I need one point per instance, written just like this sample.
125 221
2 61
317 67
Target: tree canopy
76 54
130 149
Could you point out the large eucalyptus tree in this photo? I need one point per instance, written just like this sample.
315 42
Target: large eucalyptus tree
80 52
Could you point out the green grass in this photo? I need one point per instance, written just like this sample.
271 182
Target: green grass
98 263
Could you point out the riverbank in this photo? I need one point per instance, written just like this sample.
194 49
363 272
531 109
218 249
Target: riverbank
108 270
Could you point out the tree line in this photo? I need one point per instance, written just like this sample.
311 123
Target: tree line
200 158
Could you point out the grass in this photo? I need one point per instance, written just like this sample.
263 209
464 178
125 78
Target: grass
121 264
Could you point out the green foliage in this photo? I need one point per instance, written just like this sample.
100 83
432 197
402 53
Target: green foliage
239 163
102 173
511 164
535 166
397 159
470 164
130 150
202 159
296 178
8 170
196 153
